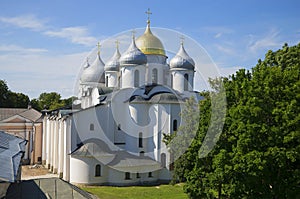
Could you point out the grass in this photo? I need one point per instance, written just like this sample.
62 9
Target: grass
136 192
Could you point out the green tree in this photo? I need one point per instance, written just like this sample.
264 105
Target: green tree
9 99
179 142
258 153
3 93
51 101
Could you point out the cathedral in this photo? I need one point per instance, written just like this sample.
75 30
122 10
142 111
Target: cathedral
126 105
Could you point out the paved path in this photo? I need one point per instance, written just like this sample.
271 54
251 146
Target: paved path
46 188
48 175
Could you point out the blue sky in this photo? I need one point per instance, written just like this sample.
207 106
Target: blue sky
43 43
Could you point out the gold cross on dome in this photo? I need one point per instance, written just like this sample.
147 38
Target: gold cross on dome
148 13
98 46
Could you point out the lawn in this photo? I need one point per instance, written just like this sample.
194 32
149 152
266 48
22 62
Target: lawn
136 192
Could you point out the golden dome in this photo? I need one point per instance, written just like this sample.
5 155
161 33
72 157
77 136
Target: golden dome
150 44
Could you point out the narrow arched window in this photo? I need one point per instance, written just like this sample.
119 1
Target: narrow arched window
127 176
154 76
150 175
136 78
186 82
163 160
171 81
165 76
92 127
98 170
140 140
138 175
106 81
175 128
120 80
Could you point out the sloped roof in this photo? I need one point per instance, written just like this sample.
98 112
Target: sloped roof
11 151
127 162
120 160
8 112
30 114
155 93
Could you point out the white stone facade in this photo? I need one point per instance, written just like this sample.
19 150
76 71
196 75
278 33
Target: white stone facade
116 137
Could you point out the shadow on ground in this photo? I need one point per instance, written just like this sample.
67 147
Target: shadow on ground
45 188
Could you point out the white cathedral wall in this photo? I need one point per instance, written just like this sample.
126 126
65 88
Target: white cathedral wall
178 80
163 126
67 149
112 77
162 77
117 178
128 72
101 118
61 144
82 170
95 97
52 145
56 145
140 116
48 143
134 109
191 80
153 146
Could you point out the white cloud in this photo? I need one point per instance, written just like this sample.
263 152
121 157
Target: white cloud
25 21
218 31
34 73
77 35
218 35
20 49
226 50
268 41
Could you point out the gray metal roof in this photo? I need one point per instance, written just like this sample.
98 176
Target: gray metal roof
93 72
113 64
11 151
120 160
123 160
182 60
30 114
133 55
155 94
8 112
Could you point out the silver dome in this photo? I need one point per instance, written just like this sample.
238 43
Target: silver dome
133 55
113 64
182 60
93 73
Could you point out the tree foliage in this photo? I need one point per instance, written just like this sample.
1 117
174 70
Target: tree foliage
9 99
258 153
51 101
